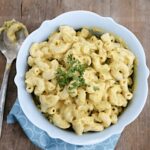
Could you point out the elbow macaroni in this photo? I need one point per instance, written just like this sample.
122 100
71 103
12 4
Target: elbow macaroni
12 27
97 104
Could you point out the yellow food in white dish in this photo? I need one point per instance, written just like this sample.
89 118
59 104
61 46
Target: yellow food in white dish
80 81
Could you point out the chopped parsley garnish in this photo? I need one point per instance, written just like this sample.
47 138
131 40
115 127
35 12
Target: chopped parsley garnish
77 82
73 74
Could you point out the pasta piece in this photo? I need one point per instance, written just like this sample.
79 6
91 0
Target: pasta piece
85 60
114 119
59 47
52 110
106 37
41 65
97 96
84 33
127 94
90 76
103 105
119 70
93 127
68 112
60 122
78 126
31 61
14 28
105 118
35 51
49 86
104 72
96 61
48 101
115 96
49 74
81 99
64 94
85 49
35 83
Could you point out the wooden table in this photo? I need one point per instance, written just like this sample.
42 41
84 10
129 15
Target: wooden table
134 14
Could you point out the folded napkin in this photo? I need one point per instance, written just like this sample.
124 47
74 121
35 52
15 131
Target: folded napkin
45 142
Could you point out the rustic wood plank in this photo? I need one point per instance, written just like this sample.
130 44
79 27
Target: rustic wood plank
133 14
137 135
35 15
99 6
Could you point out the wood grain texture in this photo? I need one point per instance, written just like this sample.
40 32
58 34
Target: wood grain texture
134 14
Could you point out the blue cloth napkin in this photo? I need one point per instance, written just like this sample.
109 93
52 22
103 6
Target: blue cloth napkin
43 141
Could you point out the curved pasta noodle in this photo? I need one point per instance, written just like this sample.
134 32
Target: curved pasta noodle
96 61
59 47
35 50
49 86
60 122
64 94
97 96
105 119
127 94
81 99
78 126
68 34
15 27
90 76
68 113
115 96
35 83
119 70
103 105
48 101
104 72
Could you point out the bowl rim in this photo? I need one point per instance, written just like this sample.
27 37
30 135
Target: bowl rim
120 126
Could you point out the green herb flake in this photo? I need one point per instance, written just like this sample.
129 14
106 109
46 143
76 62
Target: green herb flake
74 74
95 88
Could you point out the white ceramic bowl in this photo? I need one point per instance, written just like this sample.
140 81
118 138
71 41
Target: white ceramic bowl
79 19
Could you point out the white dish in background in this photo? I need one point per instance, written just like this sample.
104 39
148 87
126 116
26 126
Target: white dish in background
78 19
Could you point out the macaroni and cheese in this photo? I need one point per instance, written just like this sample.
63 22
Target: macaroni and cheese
79 80
12 27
